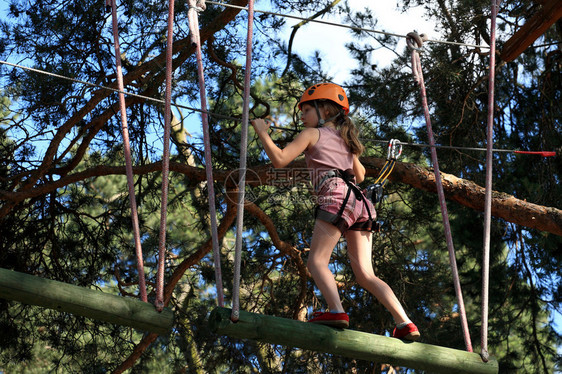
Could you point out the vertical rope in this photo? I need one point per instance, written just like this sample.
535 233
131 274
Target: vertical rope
165 161
415 42
242 182
127 150
194 7
488 196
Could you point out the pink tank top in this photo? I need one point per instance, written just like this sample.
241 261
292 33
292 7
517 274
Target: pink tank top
329 153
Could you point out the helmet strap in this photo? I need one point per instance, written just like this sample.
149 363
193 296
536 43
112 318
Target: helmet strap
322 121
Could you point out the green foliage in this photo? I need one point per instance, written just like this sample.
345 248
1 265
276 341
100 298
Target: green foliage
79 230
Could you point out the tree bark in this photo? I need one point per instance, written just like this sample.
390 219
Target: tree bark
534 27
462 191
471 195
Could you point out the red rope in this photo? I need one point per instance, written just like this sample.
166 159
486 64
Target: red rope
539 153
415 42
242 181
127 149
159 303
488 196
194 7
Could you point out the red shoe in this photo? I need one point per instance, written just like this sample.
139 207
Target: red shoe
408 332
340 320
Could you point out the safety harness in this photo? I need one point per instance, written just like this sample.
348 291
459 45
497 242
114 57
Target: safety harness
374 192
349 178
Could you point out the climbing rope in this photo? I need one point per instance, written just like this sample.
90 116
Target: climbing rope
415 43
165 162
242 181
488 195
196 6
127 150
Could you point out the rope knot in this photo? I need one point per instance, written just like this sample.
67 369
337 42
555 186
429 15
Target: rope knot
415 40
198 5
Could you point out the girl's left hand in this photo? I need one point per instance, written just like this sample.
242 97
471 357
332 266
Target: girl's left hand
260 125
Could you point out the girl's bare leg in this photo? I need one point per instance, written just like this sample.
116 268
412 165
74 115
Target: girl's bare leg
359 249
324 239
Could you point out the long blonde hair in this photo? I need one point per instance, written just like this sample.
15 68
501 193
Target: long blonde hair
348 130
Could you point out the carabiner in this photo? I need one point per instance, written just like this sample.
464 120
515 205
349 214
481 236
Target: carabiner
394 149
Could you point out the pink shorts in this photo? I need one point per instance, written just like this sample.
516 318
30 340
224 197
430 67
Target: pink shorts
355 215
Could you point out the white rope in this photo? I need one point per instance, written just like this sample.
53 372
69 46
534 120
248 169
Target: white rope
243 155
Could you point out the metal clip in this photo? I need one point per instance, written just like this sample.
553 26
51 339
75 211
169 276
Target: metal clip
394 149
375 193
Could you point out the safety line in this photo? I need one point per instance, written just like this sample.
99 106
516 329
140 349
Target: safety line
94 85
415 42
242 181
461 148
120 91
356 28
194 8
238 119
424 145
159 303
488 196
127 151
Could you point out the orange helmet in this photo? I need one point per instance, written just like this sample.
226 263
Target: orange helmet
326 91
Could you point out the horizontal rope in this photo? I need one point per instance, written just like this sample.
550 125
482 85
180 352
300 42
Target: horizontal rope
226 117
95 85
356 28
424 145
461 148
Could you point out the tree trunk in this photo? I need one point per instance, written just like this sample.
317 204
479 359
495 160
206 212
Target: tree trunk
471 195
462 191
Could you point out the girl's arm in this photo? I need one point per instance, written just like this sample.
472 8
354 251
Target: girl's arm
358 170
282 157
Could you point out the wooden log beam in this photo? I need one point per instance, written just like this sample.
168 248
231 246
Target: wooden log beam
471 195
534 27
33 290
462 191
349 343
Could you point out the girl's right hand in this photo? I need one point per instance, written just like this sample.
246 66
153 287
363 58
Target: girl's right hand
260 125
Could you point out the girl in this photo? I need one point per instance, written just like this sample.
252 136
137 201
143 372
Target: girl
332 149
